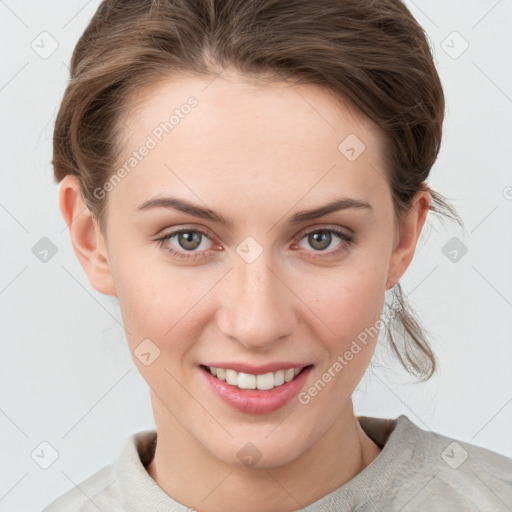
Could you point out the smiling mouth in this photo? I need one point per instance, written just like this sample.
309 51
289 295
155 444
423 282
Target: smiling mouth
264 382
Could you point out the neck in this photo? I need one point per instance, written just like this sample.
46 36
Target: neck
191 476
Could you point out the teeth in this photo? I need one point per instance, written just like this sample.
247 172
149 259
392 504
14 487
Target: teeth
248 381
232 377
279 378
265 381
288 375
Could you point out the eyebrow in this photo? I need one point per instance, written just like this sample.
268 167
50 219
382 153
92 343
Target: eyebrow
173 203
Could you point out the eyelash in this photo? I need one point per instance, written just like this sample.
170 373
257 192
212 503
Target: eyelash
346 239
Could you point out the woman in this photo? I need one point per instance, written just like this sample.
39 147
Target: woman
249 180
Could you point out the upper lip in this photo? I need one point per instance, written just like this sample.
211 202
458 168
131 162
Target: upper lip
260 369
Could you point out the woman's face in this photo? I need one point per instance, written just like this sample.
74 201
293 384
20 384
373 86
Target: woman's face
266 284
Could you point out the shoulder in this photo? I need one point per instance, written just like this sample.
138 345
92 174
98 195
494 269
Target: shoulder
453 473
114 485
98 492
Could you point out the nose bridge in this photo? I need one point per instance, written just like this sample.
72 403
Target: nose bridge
260 308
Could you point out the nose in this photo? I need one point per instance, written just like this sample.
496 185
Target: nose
258 306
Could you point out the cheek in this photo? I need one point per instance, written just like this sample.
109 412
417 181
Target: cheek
161 303
350 306
347 300
161 316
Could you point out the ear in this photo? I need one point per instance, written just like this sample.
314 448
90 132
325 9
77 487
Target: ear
86 237
407 236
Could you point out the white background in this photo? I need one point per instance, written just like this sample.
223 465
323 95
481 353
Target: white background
67 376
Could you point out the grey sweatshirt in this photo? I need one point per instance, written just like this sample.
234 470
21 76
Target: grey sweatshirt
416 470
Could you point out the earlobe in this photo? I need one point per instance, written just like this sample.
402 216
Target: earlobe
409 232
86 237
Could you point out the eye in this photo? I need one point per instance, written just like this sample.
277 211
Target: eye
187 241
321 239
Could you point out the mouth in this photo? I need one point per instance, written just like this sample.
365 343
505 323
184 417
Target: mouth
256 393
260 382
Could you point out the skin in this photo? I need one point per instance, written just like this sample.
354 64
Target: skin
257 155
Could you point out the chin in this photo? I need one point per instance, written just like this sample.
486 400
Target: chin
264 450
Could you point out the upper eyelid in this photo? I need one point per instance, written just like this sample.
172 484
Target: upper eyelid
207 232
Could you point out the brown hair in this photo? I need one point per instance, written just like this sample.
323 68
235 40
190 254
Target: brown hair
373 53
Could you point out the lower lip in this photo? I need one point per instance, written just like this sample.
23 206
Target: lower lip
255 401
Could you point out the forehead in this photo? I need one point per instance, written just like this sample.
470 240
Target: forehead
233 136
